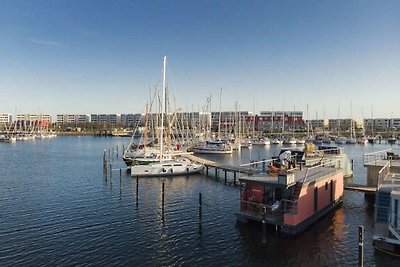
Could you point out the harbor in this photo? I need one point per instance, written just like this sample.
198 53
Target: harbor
118 217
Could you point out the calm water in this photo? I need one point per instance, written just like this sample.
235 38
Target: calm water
56 209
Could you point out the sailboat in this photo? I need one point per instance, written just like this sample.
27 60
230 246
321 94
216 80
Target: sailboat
166 167
352 139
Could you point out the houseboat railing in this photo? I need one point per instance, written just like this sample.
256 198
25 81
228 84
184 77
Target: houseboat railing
258 208
372 158
289 206
383 173
259 166
330 151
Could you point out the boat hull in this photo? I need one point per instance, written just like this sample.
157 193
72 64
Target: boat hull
165 169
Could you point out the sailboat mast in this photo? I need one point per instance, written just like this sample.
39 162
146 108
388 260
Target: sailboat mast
162 110
219 117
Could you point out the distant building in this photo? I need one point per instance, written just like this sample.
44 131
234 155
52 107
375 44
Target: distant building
83 118
395 123
277 120
102 118
319 124
381 124
5 118
114 118
94 118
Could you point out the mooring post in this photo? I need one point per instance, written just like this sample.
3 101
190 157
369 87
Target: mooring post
206 170
117 151
216 173
123 149
110 171
234 178
105 170
200 212
361 246
109 153
137 190
113 153
225 176
263 165
352 164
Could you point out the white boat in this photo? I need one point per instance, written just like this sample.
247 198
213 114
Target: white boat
170 167
261 142
212 147
301 141
340 140
351 140
277 141
290 141
7 138
179 166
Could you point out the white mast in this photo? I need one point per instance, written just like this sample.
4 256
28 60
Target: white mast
219 117
163 110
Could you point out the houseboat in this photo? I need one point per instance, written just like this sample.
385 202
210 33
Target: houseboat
289 196
383 170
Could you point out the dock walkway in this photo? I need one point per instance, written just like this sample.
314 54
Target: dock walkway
247 170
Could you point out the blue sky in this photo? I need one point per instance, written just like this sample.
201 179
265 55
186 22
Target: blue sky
79 56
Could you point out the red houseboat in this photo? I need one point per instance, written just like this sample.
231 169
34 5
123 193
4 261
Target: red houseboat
288 196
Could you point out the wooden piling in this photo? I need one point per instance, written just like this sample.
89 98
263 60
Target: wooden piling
200 213
216 173
234 178
225 175
117 151
109 153
206 170
361 246
110 171
105 170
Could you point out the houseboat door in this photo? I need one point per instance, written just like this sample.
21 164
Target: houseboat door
315 199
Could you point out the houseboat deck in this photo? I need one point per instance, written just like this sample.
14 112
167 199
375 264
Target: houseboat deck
305 175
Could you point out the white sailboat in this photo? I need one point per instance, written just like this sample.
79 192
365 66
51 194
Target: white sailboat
170 167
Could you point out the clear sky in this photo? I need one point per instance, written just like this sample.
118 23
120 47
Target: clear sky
80 56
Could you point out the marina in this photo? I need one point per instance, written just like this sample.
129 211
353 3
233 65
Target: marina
116 220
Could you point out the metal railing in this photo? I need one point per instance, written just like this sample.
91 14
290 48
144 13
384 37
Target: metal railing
372 158
289 206
285 205
383 173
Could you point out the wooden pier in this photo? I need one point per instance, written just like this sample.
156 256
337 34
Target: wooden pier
360 188
208 164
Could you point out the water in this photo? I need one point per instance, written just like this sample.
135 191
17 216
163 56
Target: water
56 209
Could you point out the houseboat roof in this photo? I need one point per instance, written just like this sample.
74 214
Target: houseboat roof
313 174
